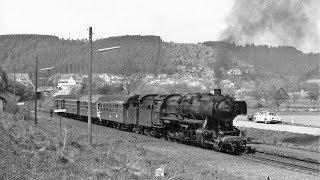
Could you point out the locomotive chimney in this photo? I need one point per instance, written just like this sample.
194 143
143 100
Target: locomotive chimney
217 91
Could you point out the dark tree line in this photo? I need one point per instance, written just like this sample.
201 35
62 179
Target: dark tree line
140 53
283 60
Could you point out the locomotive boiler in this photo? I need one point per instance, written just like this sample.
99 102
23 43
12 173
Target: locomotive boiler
207 106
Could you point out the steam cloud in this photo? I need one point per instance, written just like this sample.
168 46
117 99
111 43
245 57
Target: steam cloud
275 22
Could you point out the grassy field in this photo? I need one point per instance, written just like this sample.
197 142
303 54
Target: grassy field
34 152
284 139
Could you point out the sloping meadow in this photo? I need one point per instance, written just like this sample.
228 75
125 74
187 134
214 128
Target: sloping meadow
27 152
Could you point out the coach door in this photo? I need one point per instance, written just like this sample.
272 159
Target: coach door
63 104
78 108
98 109
156 113
132 113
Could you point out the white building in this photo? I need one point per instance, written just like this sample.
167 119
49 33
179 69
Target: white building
22 78
235 71
227 83
66 80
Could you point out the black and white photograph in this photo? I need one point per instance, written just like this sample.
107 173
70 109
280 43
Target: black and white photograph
159 89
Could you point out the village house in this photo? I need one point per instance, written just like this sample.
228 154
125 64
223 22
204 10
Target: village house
149 76
79 81
194 83
227 83
66 80
22 78
234 71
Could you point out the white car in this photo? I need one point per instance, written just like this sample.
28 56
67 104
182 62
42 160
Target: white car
266 117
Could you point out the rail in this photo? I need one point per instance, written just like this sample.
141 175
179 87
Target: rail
309 167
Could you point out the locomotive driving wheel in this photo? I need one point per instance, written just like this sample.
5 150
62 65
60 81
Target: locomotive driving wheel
169 137
136 129
220 147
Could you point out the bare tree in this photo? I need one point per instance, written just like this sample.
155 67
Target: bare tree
295 97
132 82
279 97
256 94
313 96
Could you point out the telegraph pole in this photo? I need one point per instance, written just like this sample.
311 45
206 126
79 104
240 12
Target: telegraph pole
14 82
35 93
90 88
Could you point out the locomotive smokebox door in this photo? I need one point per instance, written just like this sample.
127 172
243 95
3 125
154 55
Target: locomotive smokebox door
241 107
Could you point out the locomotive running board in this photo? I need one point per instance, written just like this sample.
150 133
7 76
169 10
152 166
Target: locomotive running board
190 121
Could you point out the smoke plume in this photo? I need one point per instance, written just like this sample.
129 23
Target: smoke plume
275 22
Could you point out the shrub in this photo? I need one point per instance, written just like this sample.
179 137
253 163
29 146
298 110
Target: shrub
258 105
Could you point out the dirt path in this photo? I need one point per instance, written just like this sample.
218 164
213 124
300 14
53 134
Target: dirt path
221 165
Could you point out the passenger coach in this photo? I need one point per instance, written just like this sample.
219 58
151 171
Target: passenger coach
118 109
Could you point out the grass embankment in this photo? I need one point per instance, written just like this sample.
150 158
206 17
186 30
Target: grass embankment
33 152
284 139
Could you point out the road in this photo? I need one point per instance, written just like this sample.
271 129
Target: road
307 120
241 121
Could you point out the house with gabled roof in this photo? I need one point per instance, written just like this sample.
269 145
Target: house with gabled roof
66 80
22 78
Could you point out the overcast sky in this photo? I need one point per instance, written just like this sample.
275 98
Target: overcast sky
186 21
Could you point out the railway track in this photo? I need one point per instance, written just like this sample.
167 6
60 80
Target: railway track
300 165
309 167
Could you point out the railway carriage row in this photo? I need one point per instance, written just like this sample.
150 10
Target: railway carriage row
201 118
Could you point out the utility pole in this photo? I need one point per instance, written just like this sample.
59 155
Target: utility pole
14 82
90 88
35 93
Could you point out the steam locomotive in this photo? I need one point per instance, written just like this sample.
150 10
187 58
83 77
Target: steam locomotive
200 118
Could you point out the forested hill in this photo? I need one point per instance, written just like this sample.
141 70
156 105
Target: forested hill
137 54
281 60
147 54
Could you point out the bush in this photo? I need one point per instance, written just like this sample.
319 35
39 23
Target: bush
258 105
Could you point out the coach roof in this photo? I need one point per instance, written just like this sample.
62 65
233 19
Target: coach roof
94 98
60 97
114 98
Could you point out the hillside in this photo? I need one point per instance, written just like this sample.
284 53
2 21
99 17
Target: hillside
140 53
283 60
149 54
